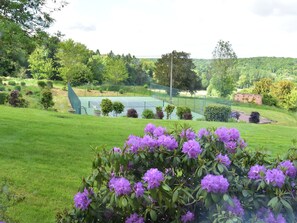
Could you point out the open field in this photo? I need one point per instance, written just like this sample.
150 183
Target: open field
45 154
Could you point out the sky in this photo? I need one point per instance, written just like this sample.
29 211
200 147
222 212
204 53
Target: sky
151 28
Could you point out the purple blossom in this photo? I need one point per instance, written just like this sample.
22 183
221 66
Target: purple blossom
192 148
223 134
159 131
233 134
153 177
189 134
241 143
133 143
203 132
134 218
149 128
271 218
149 142
188 217
288 168
168 142
236 208
117 150
275 177
224 159
121 186
215 184
231 146
257 172
82 200
139 190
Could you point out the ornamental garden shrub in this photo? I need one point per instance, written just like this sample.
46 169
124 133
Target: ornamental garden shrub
23 84
169 109
148 114
2 88
18 88
180 111
216 112
186 176
41 84
15 99
12 83
118 107
46 99
254 117
159 113
187 116
49 84
3 98
106 106
121 91
132 113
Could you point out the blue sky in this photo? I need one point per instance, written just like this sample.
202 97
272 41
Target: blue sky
150 28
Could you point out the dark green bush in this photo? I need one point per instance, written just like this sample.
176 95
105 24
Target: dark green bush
12 83
18 88
254 117
15 99
23 83
220 113
46 98
148 114
121 91
3 98
41 84
1 81
106 106
145 86
268 99
49 84
132 113
118 107
2 88
180 111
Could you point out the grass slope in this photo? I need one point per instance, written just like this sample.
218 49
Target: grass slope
45 154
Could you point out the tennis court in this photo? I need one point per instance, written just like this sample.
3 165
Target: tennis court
89 104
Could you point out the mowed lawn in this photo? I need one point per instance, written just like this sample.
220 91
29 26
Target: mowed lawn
44 155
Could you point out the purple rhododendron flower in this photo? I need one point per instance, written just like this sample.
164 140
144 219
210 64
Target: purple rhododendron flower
231 146
121 186
233 134
139 190
149 142
224 159
223 134
270 218
288 168
256 172
215 184
168 142
189 134
188 217
192 148
236 208
203 132
82 200
133 143
149 128
242 144
275 177
117 150
159 131
153 177
134 218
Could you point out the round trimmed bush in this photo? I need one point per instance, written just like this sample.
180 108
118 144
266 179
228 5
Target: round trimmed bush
216 112
180 111
254 117
118 107
148 114
106 106
12 83
132 113
41 84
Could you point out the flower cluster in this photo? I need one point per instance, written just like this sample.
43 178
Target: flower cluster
215 184
188 217
257 172
236 208
82 200
153 177
168 142
288 168
134 218
189 134
267 216
120 185
139 190
192 148
275 177
224 159
203 133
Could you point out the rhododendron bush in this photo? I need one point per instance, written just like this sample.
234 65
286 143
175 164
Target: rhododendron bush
186 176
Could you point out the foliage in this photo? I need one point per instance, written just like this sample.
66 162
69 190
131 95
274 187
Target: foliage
169 109
268 99
49 84
132 113
96 65
187 116
46 99
106 106
121 91
180 111
41 84
254 117
23 84
281 90
18 88
159 112
183 76
216 112
3 98
148 114
223 67
118 107
182 176
2 88
11 83
291 101
15 99
115 70
263 86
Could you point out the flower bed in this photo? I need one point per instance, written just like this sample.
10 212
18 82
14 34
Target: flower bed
186 176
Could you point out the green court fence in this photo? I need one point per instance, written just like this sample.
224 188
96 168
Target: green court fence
74 100
181 98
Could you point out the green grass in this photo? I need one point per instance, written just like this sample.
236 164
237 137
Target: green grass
45 154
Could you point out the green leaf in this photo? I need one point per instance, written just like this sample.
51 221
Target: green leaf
273 202
215 197
287 206
175 196
221 169
245 193
153 215
166 187
124 202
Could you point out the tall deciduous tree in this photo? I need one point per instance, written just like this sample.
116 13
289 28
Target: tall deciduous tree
223 67
115 70
183 75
